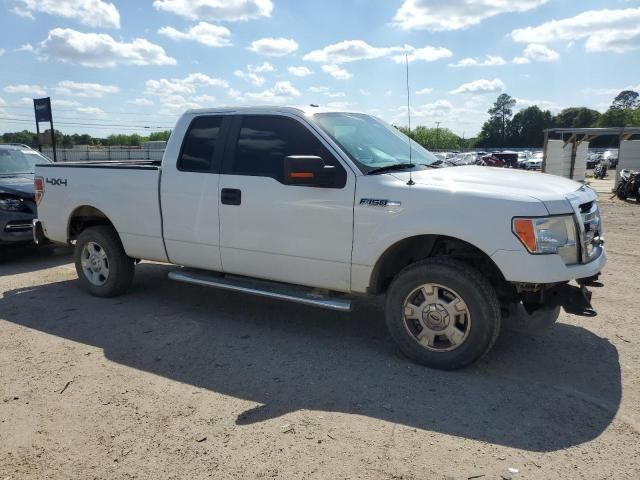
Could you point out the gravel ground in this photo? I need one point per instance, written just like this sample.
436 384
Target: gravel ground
177 381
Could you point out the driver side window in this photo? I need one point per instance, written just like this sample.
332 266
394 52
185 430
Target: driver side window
265 140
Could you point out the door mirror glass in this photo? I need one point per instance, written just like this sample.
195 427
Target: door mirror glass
309 170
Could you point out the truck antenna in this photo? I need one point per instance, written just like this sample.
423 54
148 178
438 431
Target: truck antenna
410 182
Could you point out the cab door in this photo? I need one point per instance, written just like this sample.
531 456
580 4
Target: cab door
298 234
190 194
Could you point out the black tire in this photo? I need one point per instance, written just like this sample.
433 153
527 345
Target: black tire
120 266
473 288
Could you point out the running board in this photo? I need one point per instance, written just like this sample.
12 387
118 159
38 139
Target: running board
262 288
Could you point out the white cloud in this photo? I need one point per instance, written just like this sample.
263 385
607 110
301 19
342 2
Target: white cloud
339 105
183 86
27 47
264 68
177 104
300 71
94 13
141 102
62 103
327 91
437 15
254 78
274 47
336 72
34 90
101 50
480 86
217 10
536 52
280 92
21 12
523 103
2 50
349 51
253 71
615 31
93 111
425 54
365 92
70 88
610 91
488 61
204 33
424 91
355 50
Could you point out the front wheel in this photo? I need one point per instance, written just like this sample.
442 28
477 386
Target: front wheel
103 267
442 313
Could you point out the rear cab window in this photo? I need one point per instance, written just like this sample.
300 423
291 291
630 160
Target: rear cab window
202 140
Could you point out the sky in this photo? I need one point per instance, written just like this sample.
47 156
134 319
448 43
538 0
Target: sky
134 66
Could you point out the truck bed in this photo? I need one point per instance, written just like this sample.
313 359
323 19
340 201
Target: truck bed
126 192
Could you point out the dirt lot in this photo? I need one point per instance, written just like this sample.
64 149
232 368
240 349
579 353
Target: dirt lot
177 381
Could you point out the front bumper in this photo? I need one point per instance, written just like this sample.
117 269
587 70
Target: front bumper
15 227
522 267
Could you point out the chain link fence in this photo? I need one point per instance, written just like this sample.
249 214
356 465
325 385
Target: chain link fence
92 154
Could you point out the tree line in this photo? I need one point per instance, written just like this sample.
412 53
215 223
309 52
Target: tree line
67 141
503 129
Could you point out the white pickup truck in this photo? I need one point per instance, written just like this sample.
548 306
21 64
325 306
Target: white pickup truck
318 207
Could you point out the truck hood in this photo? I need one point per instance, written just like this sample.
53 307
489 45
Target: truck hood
507 181
19 185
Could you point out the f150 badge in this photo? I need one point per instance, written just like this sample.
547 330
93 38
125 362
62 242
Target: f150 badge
378 202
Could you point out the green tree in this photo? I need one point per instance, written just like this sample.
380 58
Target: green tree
577 117
160 136
433 138
626 100
494 131
526 127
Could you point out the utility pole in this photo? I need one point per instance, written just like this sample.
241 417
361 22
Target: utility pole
438 135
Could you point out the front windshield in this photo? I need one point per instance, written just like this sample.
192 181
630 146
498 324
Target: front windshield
17 162
370 142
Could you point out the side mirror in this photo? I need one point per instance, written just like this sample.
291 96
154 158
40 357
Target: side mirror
308 170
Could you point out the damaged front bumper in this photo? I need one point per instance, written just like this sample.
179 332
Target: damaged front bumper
575 299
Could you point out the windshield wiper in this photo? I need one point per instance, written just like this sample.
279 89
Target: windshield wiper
401 166
390 168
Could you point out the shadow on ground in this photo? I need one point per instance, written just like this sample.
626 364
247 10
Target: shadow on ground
539 394
29 258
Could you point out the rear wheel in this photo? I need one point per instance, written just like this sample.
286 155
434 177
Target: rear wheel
442 313
103 267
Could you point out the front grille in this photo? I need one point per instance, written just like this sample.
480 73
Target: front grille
18 226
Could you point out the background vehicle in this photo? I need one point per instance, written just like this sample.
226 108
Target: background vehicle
600 171
534 162
490 161
17 203
593 159
612 157
508 159
318 206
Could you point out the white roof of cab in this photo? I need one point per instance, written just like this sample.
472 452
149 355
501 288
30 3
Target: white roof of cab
271 109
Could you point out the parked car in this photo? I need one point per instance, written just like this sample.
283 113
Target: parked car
319 207
17 203
508 158
490 160
534 162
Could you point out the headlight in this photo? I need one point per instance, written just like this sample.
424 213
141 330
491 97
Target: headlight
11 204
549 235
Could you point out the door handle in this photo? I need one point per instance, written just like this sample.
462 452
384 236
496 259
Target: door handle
231 196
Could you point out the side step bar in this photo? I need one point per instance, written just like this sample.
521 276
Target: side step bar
261 288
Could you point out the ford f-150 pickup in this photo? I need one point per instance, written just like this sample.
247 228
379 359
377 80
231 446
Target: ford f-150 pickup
318 207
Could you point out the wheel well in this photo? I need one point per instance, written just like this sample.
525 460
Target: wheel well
413 249
85 217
